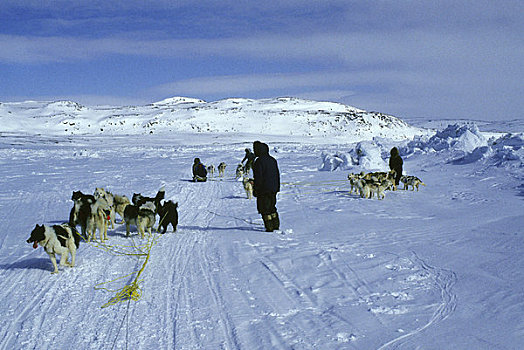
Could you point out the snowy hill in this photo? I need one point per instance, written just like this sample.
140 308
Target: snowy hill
280 116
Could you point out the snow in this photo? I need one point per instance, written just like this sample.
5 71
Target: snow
366 155
325 121
441 268
178 100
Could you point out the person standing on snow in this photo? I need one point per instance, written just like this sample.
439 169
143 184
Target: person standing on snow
395 163
266 185
248 158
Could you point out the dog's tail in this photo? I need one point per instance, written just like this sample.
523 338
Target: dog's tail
161 194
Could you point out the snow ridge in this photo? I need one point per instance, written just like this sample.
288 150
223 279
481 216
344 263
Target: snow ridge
279 116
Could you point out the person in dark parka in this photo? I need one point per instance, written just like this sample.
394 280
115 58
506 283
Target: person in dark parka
248 158
395 163
267 185
199 171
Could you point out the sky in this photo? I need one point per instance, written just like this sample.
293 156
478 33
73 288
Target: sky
412 59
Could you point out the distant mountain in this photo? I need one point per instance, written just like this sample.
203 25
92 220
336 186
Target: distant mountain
279 116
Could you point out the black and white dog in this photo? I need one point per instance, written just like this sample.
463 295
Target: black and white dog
168 215
139 200
57 239
142 217
81 210
142 213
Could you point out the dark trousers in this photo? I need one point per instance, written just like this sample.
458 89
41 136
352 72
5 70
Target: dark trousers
398 175
266 203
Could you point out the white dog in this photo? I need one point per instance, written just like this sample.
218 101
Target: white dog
211 170
221 169
99 219
248 186
108 196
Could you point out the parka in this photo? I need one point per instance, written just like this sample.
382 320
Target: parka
265 171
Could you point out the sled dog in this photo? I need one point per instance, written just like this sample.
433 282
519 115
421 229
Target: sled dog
81 210
168 215
248 186
221 169
353 178
378 188
361 188
139 200
109 198
142 217
239 172
57 239
409 180
99 219
120 203
211 170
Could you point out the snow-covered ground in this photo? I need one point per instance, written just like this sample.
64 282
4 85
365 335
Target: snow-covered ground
441 268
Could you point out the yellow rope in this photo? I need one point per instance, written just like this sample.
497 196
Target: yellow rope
131 291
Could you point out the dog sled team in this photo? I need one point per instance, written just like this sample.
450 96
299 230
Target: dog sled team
376 183
97 212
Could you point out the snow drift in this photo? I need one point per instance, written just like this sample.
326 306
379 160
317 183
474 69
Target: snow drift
366 155
459 144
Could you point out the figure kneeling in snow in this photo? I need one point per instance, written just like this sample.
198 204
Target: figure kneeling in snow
199 171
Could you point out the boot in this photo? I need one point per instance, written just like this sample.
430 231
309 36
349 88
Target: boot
268 222
275 221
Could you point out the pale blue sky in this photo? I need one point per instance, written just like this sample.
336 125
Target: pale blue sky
429 59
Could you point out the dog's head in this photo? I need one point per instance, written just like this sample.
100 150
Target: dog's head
136 197
37 235
76 195
161 194
169 207
99 193
172 206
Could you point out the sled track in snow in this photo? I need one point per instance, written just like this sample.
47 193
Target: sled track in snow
194 267
444 280
228 328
